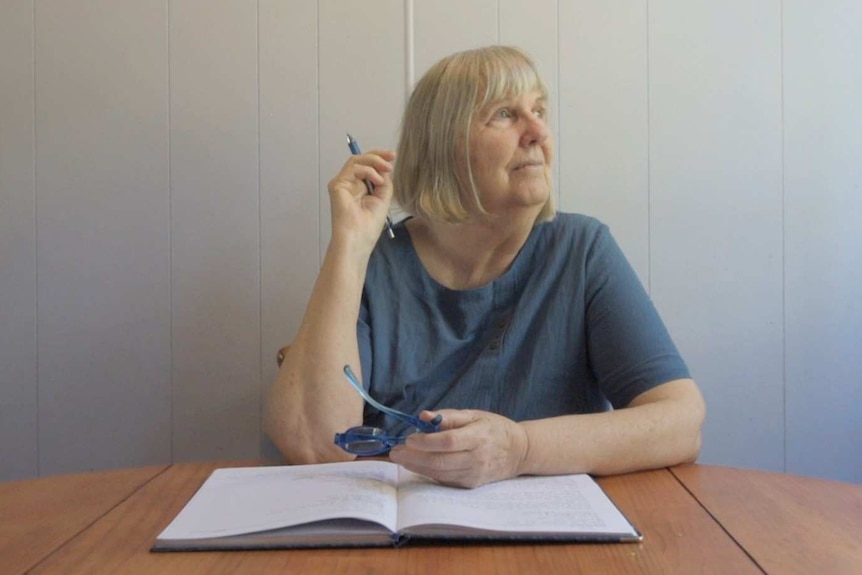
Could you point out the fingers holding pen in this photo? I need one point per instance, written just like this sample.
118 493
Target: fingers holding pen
380 160
360 195
375 167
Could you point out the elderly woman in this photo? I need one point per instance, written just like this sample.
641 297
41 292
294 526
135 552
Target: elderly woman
523 332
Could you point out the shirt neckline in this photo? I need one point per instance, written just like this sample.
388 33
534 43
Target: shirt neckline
508 281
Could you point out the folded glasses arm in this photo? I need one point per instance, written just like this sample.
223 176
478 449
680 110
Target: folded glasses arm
423 426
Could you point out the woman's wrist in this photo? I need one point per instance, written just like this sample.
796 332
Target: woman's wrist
353 243
349 250
522 450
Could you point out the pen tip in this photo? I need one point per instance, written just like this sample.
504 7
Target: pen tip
349 138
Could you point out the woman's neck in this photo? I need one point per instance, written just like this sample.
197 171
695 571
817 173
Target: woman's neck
471 254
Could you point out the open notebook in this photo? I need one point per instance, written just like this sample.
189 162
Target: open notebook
378 503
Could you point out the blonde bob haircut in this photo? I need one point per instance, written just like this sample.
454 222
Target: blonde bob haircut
432 176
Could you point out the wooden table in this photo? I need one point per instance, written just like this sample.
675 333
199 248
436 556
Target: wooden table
695 519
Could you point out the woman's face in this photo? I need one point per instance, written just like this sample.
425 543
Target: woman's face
511 151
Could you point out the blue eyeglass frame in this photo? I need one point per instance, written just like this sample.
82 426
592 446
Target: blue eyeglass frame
369 440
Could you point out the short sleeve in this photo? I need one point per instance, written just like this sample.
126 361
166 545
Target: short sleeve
363 337
629 348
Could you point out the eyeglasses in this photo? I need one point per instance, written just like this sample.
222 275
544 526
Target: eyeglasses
369 440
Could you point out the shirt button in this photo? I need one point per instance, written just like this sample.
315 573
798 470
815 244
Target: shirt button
494 345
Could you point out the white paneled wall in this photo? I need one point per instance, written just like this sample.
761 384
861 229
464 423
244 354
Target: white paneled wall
103 235
716 212
163 205
215 229
441 27
361 69
290 184
603 134
823 249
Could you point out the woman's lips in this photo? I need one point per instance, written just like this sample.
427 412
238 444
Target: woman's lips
531 165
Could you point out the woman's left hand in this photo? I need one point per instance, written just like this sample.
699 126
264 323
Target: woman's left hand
471 449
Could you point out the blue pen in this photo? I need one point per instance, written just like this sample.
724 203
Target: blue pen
354 149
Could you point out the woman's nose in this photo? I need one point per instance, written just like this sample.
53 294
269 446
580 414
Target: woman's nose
536 131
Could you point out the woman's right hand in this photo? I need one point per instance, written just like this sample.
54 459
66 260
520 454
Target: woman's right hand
358 216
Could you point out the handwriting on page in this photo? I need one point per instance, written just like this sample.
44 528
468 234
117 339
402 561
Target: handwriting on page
242 501
524 512
524 504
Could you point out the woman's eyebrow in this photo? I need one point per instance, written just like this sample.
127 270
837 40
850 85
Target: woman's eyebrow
491 107
509 101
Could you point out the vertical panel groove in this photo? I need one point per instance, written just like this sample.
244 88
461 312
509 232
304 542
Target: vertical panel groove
783 248
36 244
260 383
320 246
648 160
170 240
559 101
409 68
559 124
318 187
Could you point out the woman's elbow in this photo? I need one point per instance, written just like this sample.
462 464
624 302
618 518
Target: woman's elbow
299 447
309 453
696 412
693 451
297 450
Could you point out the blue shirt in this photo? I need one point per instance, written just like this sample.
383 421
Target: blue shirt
567 329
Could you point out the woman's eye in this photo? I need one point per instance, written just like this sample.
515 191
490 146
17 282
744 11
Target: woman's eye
504 114
540 112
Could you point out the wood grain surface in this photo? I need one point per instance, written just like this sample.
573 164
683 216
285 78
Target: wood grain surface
787 523
679 537
39 515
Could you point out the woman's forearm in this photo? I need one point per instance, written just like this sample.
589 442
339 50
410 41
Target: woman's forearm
660 427
310 400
